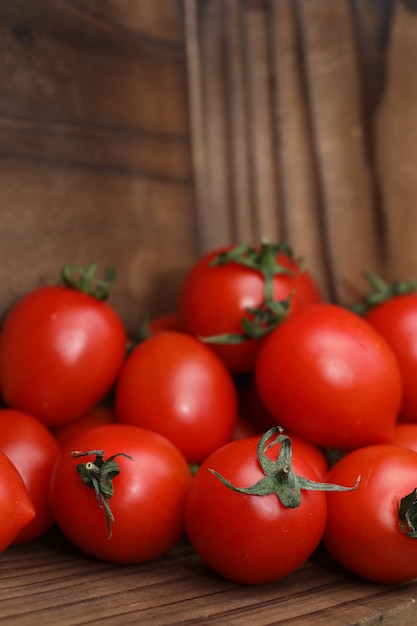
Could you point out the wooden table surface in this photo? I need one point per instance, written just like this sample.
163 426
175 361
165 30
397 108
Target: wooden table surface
49 583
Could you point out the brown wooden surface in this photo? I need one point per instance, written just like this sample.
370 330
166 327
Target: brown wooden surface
48 583
142 133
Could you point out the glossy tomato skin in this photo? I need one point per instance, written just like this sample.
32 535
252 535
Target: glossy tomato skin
362 530
251 539
214 299
16 508
60 353
405 435
173 384
33 450
396 320
148 501
331 378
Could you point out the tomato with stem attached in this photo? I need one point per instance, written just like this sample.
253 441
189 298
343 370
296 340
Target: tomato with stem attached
61 348
372 531
256 511
118 493
234 295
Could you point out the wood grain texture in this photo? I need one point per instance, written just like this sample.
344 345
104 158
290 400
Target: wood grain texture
396 135
49 582
95 158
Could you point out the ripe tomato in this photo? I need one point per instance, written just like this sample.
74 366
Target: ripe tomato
33 450
60 353
215 298
396 320
331 378
97 416
144 518
252 538
364 530
173 384
405 435
16 508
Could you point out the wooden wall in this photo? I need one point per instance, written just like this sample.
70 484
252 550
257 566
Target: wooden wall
142 133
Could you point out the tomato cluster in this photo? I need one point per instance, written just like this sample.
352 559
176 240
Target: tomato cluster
256 419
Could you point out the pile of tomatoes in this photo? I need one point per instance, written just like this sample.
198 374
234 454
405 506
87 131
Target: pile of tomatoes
257 420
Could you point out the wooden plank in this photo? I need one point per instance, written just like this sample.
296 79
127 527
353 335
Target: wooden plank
396 136
95 158
50 582
300 198
345 186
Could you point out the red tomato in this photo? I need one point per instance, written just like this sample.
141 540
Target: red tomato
215 298
249 538
167 321
148 500
174 385
363 530
97 416
405 435
16 508
330 377
396 320
33 450
60 353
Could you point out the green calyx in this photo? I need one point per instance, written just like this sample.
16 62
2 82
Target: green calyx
279 476
407 514
99 475
381 292
262 319
85 280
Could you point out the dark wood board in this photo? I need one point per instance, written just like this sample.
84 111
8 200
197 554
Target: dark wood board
48 582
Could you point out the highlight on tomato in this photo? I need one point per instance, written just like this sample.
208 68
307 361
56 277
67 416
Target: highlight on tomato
372 531
118 493
16 508
330 377
234 295
256 511
175 385
61 347
31 447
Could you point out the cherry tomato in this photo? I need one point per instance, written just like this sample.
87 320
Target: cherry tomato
252 538
16 508
364 531
144 518
405 435
214 299
174 385
396 320
97 416
328 376
33 450
60 353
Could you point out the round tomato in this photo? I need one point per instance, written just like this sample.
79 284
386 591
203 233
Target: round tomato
33 450
60 352
16 508
118 493
227 284
173 384
369 530
249 514
328 376
396 320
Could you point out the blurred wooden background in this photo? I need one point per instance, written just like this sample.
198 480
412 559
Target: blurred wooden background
142 133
